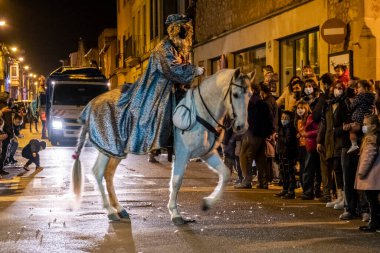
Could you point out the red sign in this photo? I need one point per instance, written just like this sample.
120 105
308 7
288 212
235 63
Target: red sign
334 31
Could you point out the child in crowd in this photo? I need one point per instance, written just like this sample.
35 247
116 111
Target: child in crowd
308 73
302 112
342 74
361 105
270 78
30 151
368 172
287 155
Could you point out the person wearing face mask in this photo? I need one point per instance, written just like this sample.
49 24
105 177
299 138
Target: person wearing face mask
311 93
291 94
287 155
330 138
368 172
302 112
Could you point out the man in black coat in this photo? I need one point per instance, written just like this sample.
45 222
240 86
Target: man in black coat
261 126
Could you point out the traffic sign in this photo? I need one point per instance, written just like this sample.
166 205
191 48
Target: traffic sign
334 31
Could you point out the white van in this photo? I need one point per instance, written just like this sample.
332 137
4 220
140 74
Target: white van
68 91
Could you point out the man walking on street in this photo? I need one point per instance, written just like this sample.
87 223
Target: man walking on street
261 126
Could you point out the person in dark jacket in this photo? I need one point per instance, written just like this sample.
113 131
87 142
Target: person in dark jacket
260 121
231 151
17 125
287 155
8 112
266 94
329 141
30 151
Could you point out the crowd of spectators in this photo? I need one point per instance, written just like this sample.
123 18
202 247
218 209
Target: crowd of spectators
321 134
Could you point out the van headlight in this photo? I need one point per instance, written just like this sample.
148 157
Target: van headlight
57 124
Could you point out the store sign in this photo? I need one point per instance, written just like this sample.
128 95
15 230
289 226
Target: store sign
334 31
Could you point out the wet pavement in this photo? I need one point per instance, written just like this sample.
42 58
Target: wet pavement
38 214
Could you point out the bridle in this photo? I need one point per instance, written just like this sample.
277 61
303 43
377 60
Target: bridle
232 117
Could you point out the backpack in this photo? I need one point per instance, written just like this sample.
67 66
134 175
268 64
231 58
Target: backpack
184 115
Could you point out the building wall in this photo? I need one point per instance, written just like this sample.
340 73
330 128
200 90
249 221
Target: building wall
107 44
245 24
268 31
143 22
233 14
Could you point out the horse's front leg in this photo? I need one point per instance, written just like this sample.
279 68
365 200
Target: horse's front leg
99 170
178 170
216 163
109 175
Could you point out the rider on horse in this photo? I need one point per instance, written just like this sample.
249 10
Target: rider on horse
137 118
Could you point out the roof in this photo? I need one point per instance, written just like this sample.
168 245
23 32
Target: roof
85 73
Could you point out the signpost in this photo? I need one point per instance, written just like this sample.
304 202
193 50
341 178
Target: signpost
334 31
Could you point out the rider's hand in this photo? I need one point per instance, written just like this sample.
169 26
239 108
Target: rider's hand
199 71
34 154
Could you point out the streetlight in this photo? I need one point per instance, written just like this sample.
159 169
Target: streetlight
21 59
26 67
2 23
14 49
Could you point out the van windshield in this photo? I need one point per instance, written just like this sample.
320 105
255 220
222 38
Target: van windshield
74 94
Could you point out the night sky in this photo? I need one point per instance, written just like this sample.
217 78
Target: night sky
49 30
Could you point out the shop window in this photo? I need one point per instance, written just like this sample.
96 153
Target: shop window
296 52
251 59
215 65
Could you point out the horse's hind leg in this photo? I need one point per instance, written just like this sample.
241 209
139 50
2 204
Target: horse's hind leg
109 174
178 170
216 163
99 170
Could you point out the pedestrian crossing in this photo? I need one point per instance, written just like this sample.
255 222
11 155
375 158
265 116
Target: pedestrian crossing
61 181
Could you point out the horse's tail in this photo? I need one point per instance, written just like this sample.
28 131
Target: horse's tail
77 174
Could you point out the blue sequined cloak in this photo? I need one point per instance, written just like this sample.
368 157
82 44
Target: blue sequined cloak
139 119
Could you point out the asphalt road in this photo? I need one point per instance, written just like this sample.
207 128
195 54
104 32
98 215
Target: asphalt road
37 214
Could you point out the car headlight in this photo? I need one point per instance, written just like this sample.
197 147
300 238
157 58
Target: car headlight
57 124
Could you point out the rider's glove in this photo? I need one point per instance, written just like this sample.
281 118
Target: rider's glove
199 71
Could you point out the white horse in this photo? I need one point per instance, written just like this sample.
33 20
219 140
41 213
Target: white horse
223 92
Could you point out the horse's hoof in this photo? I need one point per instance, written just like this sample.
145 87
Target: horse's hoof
205 206
181 221
178 221
123 214
113 217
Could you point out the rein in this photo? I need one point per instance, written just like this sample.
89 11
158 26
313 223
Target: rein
208 125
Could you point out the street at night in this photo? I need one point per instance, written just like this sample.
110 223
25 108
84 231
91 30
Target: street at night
36 213
190 126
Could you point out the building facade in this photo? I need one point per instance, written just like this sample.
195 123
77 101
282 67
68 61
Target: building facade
140 27
287 35
107 44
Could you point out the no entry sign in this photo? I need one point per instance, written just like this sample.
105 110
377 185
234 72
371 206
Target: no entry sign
334 31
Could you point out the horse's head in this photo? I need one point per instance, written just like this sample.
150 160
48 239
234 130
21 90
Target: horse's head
238 100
